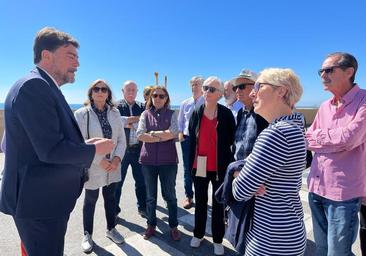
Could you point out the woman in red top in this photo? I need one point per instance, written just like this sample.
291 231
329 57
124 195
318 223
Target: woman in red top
213 127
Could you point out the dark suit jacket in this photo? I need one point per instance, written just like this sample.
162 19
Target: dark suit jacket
45 155
124 110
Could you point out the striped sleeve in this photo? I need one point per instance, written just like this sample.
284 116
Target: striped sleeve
269 154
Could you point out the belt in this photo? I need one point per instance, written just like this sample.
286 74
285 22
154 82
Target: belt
133 146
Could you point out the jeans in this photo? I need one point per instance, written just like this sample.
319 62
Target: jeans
91 197
187 172
131 157
363 229
167 175
200 213
335 225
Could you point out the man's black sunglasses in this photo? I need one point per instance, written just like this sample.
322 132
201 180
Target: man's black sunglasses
330 70
241 86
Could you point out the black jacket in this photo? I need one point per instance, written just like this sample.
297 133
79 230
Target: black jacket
260 121
124 110
225 137
240 216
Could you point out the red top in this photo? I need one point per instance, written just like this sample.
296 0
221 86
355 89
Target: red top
207 143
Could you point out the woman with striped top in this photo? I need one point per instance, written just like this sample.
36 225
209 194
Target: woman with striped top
273 170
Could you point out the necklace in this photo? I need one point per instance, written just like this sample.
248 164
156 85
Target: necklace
210 115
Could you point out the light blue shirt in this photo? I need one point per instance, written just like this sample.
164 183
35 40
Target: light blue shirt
185 112
235 107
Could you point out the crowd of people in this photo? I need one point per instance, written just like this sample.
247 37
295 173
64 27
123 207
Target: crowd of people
51 154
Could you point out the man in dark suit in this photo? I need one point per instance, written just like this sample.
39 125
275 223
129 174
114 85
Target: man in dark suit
131 110
45 154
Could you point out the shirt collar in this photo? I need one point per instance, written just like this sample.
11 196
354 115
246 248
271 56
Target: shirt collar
351 94
58 87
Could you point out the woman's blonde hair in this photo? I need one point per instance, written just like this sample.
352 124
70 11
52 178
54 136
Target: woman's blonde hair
284 77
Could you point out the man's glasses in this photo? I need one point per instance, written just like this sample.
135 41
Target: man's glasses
329 70
241 86
97 89
161 96
211 89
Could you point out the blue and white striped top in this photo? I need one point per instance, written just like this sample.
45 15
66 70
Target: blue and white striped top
277 161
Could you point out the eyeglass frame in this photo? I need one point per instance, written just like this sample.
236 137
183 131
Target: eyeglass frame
211 89
97 89
257 85
330 70
241 86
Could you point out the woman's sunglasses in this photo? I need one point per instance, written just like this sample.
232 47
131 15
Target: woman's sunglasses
97 89
211 89
161 96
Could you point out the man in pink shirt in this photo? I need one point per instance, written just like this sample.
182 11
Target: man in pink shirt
337 179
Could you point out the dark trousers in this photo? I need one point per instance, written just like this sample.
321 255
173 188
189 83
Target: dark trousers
131 157
363 229
43 237
167 175
91 197
185 144
200 214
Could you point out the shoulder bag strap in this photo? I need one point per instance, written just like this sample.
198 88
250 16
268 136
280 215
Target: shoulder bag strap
87 125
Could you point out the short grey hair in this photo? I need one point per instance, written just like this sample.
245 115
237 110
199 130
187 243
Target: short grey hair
214 79
197 79
128 82
284 77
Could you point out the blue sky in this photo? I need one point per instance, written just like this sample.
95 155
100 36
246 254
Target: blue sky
122 40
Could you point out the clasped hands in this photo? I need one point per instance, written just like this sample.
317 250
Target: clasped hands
110 165
131 120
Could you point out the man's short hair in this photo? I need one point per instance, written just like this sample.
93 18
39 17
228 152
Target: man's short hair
346 60
196 80
50 39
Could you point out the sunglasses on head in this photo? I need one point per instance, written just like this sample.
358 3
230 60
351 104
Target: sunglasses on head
102 89
161 96
330 69
241 86
210 89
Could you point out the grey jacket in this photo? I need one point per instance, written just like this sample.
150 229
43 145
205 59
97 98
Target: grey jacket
99 177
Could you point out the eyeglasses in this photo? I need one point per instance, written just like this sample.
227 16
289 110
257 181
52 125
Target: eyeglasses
97 89
161 96
258 85
211 89
329 70
241 86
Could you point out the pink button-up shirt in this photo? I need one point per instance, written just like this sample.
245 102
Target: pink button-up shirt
338 138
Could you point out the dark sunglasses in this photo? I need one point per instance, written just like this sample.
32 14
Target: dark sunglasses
211 89
330 70
241 86
96 89
161 96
